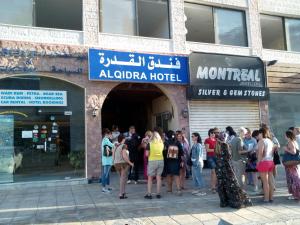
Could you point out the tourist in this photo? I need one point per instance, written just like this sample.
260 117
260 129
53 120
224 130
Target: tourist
122 163
185 146
143 146
239 155
107 159
197 164
292 171
132 141
210 144
173 153
250 145
231 134
115 133
154 151
265 164
229 190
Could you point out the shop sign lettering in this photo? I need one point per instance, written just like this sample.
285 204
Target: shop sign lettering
33 98
202 92
137 67
217 76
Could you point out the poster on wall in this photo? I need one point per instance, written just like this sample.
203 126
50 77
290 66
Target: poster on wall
6 148
33 98
106 65
218 76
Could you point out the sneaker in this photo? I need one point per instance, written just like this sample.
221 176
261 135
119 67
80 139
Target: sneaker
109 188
135 182
129 182
291 197
200 193
195 192
104 190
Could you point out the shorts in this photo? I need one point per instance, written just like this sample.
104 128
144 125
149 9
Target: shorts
121 166
155 168
211 162
265 166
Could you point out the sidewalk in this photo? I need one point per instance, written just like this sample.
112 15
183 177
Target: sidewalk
85 204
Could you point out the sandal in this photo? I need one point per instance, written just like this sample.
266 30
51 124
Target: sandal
148 196
123 196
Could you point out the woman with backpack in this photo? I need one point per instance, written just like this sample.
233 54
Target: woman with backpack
122 163
197 164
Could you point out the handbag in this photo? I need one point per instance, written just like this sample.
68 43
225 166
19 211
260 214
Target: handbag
276 158
107 151
289 159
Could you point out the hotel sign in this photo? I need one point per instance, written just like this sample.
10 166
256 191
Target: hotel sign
105 65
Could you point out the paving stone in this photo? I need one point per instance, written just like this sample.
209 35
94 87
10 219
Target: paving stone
166 220
205 217
185 219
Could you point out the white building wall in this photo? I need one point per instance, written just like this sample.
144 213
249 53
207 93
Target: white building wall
90 35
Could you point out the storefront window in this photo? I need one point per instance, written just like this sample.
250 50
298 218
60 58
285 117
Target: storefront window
292 27
148 18
215 25
61 14
42 133
272 32
284 113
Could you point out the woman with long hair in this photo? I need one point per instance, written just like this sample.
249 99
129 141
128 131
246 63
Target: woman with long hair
122 163
185 146
229 190
292 172
197 164
173 153
154 151
265 164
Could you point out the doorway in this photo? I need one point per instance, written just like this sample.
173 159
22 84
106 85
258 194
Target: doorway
141 105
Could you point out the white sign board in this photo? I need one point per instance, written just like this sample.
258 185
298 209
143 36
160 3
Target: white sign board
26 133
32 98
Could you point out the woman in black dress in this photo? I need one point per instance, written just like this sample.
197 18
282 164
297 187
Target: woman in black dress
229 190
173 154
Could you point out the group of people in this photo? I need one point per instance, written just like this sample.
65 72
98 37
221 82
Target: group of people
233 157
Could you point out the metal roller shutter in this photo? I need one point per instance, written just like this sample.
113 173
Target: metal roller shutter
209 114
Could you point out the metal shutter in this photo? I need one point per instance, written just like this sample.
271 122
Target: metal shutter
209 114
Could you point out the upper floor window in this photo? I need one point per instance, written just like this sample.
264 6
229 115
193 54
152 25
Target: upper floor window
149 18
215 25
280 33
60 14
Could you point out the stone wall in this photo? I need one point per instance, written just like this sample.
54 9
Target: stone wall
69 63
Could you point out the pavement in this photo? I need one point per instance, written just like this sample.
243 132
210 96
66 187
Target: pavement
84 204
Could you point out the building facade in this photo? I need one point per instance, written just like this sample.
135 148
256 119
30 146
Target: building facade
45 47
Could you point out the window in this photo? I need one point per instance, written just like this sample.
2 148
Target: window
61 14
292 30
149 18
280 33
215 25
230 27
284 113
199 19
272 32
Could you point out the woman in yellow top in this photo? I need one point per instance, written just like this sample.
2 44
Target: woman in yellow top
154 151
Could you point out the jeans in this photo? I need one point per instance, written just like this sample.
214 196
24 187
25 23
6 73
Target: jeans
197 176
105 175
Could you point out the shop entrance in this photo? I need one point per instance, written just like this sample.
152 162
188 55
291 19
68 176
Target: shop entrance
143 105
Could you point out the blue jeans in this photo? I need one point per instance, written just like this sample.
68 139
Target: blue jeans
105 175
197 176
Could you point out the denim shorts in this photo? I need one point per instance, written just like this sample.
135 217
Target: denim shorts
211 162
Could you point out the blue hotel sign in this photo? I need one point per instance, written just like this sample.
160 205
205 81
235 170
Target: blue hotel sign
105 65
